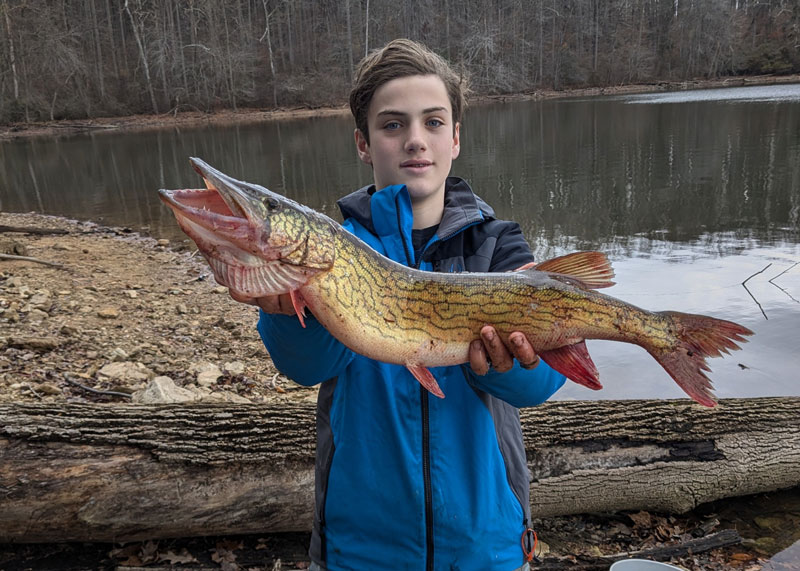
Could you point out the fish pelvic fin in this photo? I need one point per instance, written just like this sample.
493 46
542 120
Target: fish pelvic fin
574 362
591 270
699 337
425 378
299 305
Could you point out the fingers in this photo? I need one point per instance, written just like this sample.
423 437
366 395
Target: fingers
477 358
497 352
523 351
491 349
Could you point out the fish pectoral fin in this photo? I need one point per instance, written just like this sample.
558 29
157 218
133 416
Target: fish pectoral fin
299 305
592 270
574 362
425 378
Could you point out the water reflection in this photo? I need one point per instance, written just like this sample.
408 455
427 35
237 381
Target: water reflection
689 197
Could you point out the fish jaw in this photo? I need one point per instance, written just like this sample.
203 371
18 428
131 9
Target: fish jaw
256 241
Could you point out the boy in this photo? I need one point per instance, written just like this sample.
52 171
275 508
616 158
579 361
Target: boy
405 480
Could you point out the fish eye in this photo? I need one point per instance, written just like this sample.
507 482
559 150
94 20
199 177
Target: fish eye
272 205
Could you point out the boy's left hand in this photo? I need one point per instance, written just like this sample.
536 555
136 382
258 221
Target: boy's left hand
491 349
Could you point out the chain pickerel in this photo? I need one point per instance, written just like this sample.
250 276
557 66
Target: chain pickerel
260 243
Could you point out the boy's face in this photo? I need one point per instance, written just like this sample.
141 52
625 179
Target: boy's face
412 137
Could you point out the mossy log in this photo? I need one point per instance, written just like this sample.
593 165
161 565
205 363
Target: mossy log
82 472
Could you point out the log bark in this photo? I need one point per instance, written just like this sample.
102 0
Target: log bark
82 472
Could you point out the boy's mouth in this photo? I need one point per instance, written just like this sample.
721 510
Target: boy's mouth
416 164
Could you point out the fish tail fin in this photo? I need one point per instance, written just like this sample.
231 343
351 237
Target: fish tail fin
699 337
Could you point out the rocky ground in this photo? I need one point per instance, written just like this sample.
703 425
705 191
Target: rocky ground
123 318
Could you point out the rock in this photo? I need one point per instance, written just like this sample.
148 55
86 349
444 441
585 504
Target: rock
163 390
233 368
108 312
225 397
220 289
131 293
14 281
207 373
34 343
37 315
48 389
126 371
163 242
68 330
118 354
182 309
11 315
42 299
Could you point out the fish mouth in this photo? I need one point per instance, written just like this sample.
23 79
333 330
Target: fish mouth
224 221
225 203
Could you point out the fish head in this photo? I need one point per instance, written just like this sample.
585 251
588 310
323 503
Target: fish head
255 240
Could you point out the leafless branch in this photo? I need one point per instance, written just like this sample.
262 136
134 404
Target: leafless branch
744 284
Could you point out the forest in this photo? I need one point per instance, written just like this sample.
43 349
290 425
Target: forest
67 59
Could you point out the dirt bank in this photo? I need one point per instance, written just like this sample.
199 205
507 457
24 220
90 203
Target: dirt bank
194 118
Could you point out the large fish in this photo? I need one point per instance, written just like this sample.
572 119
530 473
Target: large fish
260 243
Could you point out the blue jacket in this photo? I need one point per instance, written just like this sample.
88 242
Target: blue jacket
405 480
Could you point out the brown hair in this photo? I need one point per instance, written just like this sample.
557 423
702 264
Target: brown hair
402 58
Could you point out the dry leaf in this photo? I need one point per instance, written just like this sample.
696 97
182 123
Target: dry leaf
174 558
641 519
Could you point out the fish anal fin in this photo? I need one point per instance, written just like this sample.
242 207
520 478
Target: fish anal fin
299 305
426 379
592 269
574 362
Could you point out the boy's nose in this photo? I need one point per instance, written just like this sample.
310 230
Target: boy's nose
415 141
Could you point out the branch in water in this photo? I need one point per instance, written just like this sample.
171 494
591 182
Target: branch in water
751 295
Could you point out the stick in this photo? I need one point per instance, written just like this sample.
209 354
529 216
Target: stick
96 391
782 288
29 259
722 538
32 230
751 295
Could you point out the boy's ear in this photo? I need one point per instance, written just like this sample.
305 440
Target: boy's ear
456 141
362 147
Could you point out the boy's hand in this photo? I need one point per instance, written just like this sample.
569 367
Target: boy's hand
269 303
491 349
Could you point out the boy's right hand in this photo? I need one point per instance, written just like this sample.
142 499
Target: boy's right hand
269 303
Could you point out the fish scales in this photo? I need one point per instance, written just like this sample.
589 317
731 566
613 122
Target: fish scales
260 243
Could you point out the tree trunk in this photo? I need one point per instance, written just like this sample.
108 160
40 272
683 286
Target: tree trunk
80 472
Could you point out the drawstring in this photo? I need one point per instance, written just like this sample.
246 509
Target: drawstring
532 541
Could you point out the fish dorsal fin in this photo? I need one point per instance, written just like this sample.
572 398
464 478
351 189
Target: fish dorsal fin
592 270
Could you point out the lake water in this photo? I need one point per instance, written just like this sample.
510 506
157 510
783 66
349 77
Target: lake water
690 194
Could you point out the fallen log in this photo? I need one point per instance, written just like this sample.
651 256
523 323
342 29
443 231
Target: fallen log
84 472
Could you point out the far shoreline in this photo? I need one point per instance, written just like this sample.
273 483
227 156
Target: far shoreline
173 119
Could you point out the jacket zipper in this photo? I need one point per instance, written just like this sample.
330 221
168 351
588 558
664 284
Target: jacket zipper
426 444
426 476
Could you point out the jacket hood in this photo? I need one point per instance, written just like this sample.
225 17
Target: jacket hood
461 207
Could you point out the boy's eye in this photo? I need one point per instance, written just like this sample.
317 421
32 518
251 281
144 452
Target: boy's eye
392 125
435 122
